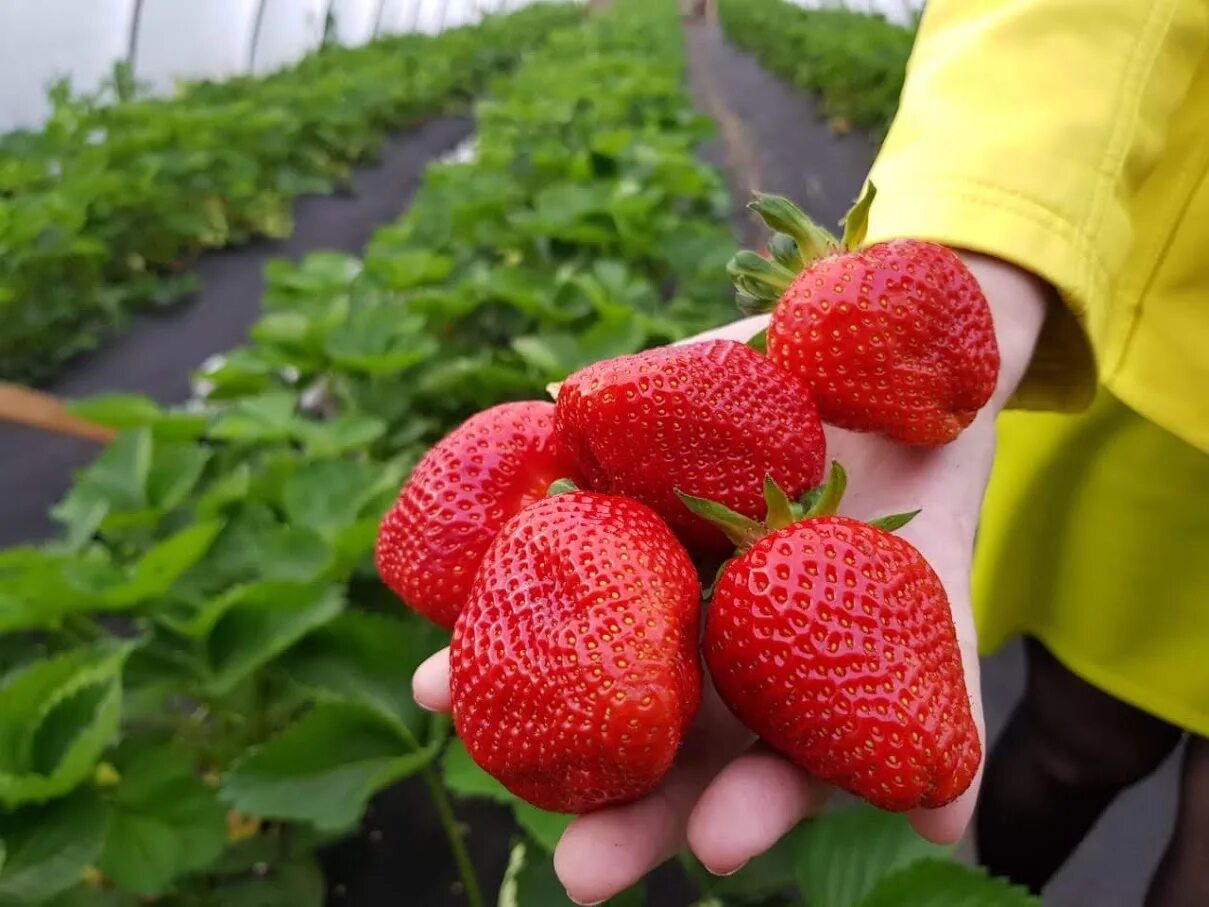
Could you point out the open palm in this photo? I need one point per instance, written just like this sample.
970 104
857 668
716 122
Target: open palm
728 796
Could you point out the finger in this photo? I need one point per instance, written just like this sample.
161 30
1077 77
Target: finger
430 682
741 331
605 852
948 824
748 807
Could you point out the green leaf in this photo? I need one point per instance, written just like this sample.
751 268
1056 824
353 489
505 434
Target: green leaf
530 881
327 495
265 417
843 854
252 625
939 883
48 847
163 822
157 570
117 410
545 828
366 659
174 473
126 411
117 480
466 779
324 768
38 588
296 883
348 431
770 874
380 341
56 716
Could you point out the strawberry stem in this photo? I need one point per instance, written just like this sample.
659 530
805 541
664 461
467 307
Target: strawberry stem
783 216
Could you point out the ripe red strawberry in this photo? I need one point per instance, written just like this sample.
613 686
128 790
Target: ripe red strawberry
832 639
457 498
709 419
574 663
895 338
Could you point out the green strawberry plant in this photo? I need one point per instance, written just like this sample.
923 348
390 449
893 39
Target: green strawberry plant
202 680
854 61
103 210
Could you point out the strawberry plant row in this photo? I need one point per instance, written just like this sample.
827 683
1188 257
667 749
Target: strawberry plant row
102 211
854 61
203 679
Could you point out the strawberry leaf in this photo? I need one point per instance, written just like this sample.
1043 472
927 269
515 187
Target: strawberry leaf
843 855
163 821
56 717
324 768
939 883
46 848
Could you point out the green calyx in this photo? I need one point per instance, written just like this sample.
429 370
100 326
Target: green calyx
856 221
782 511
797 242
561 486
783 216
759 281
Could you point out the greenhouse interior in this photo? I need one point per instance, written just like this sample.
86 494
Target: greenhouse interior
629 452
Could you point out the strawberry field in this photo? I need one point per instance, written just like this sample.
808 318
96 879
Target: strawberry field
206 687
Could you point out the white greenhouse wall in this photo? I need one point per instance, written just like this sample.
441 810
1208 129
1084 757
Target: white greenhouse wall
399 16
355 20
43 40
194 39
289 30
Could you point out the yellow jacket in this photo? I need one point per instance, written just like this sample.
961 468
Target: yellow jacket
1071 137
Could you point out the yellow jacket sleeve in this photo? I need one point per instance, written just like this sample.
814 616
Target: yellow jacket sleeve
1024 130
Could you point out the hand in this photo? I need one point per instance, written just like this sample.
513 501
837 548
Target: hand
729 797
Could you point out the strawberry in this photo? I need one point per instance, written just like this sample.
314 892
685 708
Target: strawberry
457 498
574 670
895 338
709 419
832 639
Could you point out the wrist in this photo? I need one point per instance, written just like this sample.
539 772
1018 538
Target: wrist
1018 301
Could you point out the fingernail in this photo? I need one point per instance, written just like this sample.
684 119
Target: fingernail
732 871
587 903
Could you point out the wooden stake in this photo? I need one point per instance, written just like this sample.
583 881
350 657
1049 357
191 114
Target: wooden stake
37 409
